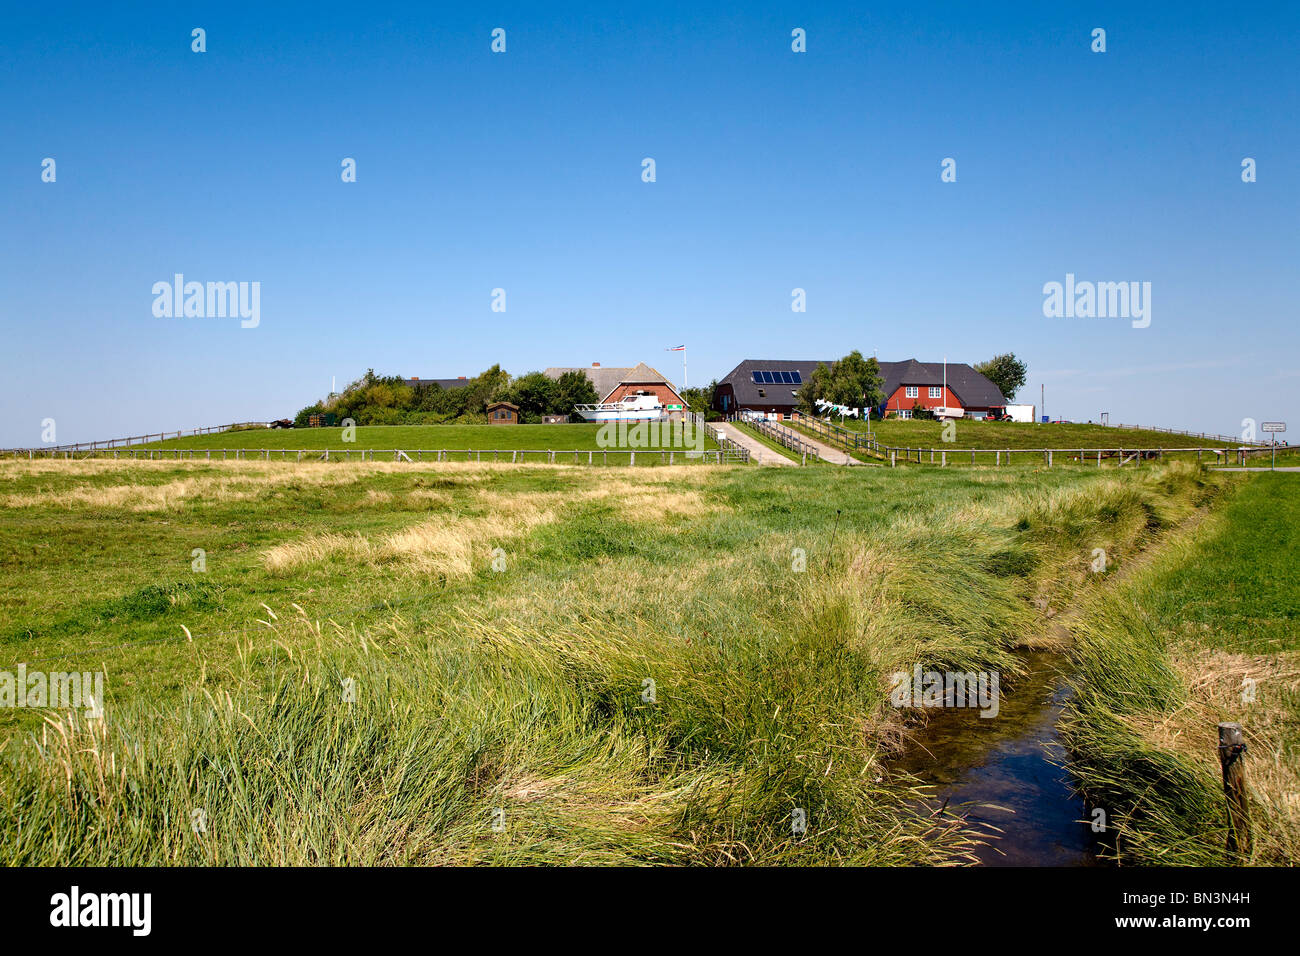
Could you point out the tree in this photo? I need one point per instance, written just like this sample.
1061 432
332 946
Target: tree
700 399
487 386
534 393
813 389
572 388
303 418
853 381
1006 372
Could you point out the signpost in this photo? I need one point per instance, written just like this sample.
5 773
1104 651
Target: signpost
1273 427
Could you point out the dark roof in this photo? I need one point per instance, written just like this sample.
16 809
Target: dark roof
440 382
972 388
510 405
741 380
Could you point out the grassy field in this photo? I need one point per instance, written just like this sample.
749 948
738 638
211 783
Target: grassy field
1019 438
968 433
575 437
477 663
1166 657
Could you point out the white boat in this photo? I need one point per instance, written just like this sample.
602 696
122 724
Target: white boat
632 408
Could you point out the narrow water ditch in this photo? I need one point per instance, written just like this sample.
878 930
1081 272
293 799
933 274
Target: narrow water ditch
1003 776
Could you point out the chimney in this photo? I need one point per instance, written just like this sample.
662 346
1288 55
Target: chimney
460 378
595 365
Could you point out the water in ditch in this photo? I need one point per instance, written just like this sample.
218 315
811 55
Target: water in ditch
1003 775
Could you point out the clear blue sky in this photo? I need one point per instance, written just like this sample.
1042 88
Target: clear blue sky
522 171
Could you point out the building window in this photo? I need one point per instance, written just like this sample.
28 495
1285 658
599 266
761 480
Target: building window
904 413
762 393
936 391
910 391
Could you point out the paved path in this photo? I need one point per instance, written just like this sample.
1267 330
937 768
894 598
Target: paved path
827 452
758 452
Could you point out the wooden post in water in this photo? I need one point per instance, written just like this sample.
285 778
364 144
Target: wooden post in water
1232 747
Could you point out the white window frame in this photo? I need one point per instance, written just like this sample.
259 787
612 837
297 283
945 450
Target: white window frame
936 391
904 413
910 391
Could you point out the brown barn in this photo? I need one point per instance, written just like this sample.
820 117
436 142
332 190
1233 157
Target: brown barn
502 413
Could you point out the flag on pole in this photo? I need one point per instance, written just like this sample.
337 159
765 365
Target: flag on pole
680 348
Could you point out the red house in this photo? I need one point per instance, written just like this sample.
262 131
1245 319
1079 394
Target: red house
771 386
932 385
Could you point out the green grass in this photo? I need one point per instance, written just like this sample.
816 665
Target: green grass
774 446
579 437
517 691
1161 661
915 437
969 433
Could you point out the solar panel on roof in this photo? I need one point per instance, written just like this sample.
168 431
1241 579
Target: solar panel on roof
768 377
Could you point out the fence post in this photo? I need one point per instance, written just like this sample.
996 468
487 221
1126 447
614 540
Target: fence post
943 459
1232 746
631 458
892 463
1049 458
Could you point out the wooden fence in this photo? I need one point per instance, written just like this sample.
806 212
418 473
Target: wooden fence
602 456
856 441
1230 439
144 439
781 435
997 457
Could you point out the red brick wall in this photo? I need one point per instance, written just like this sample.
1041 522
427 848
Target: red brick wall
665 394
899 399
